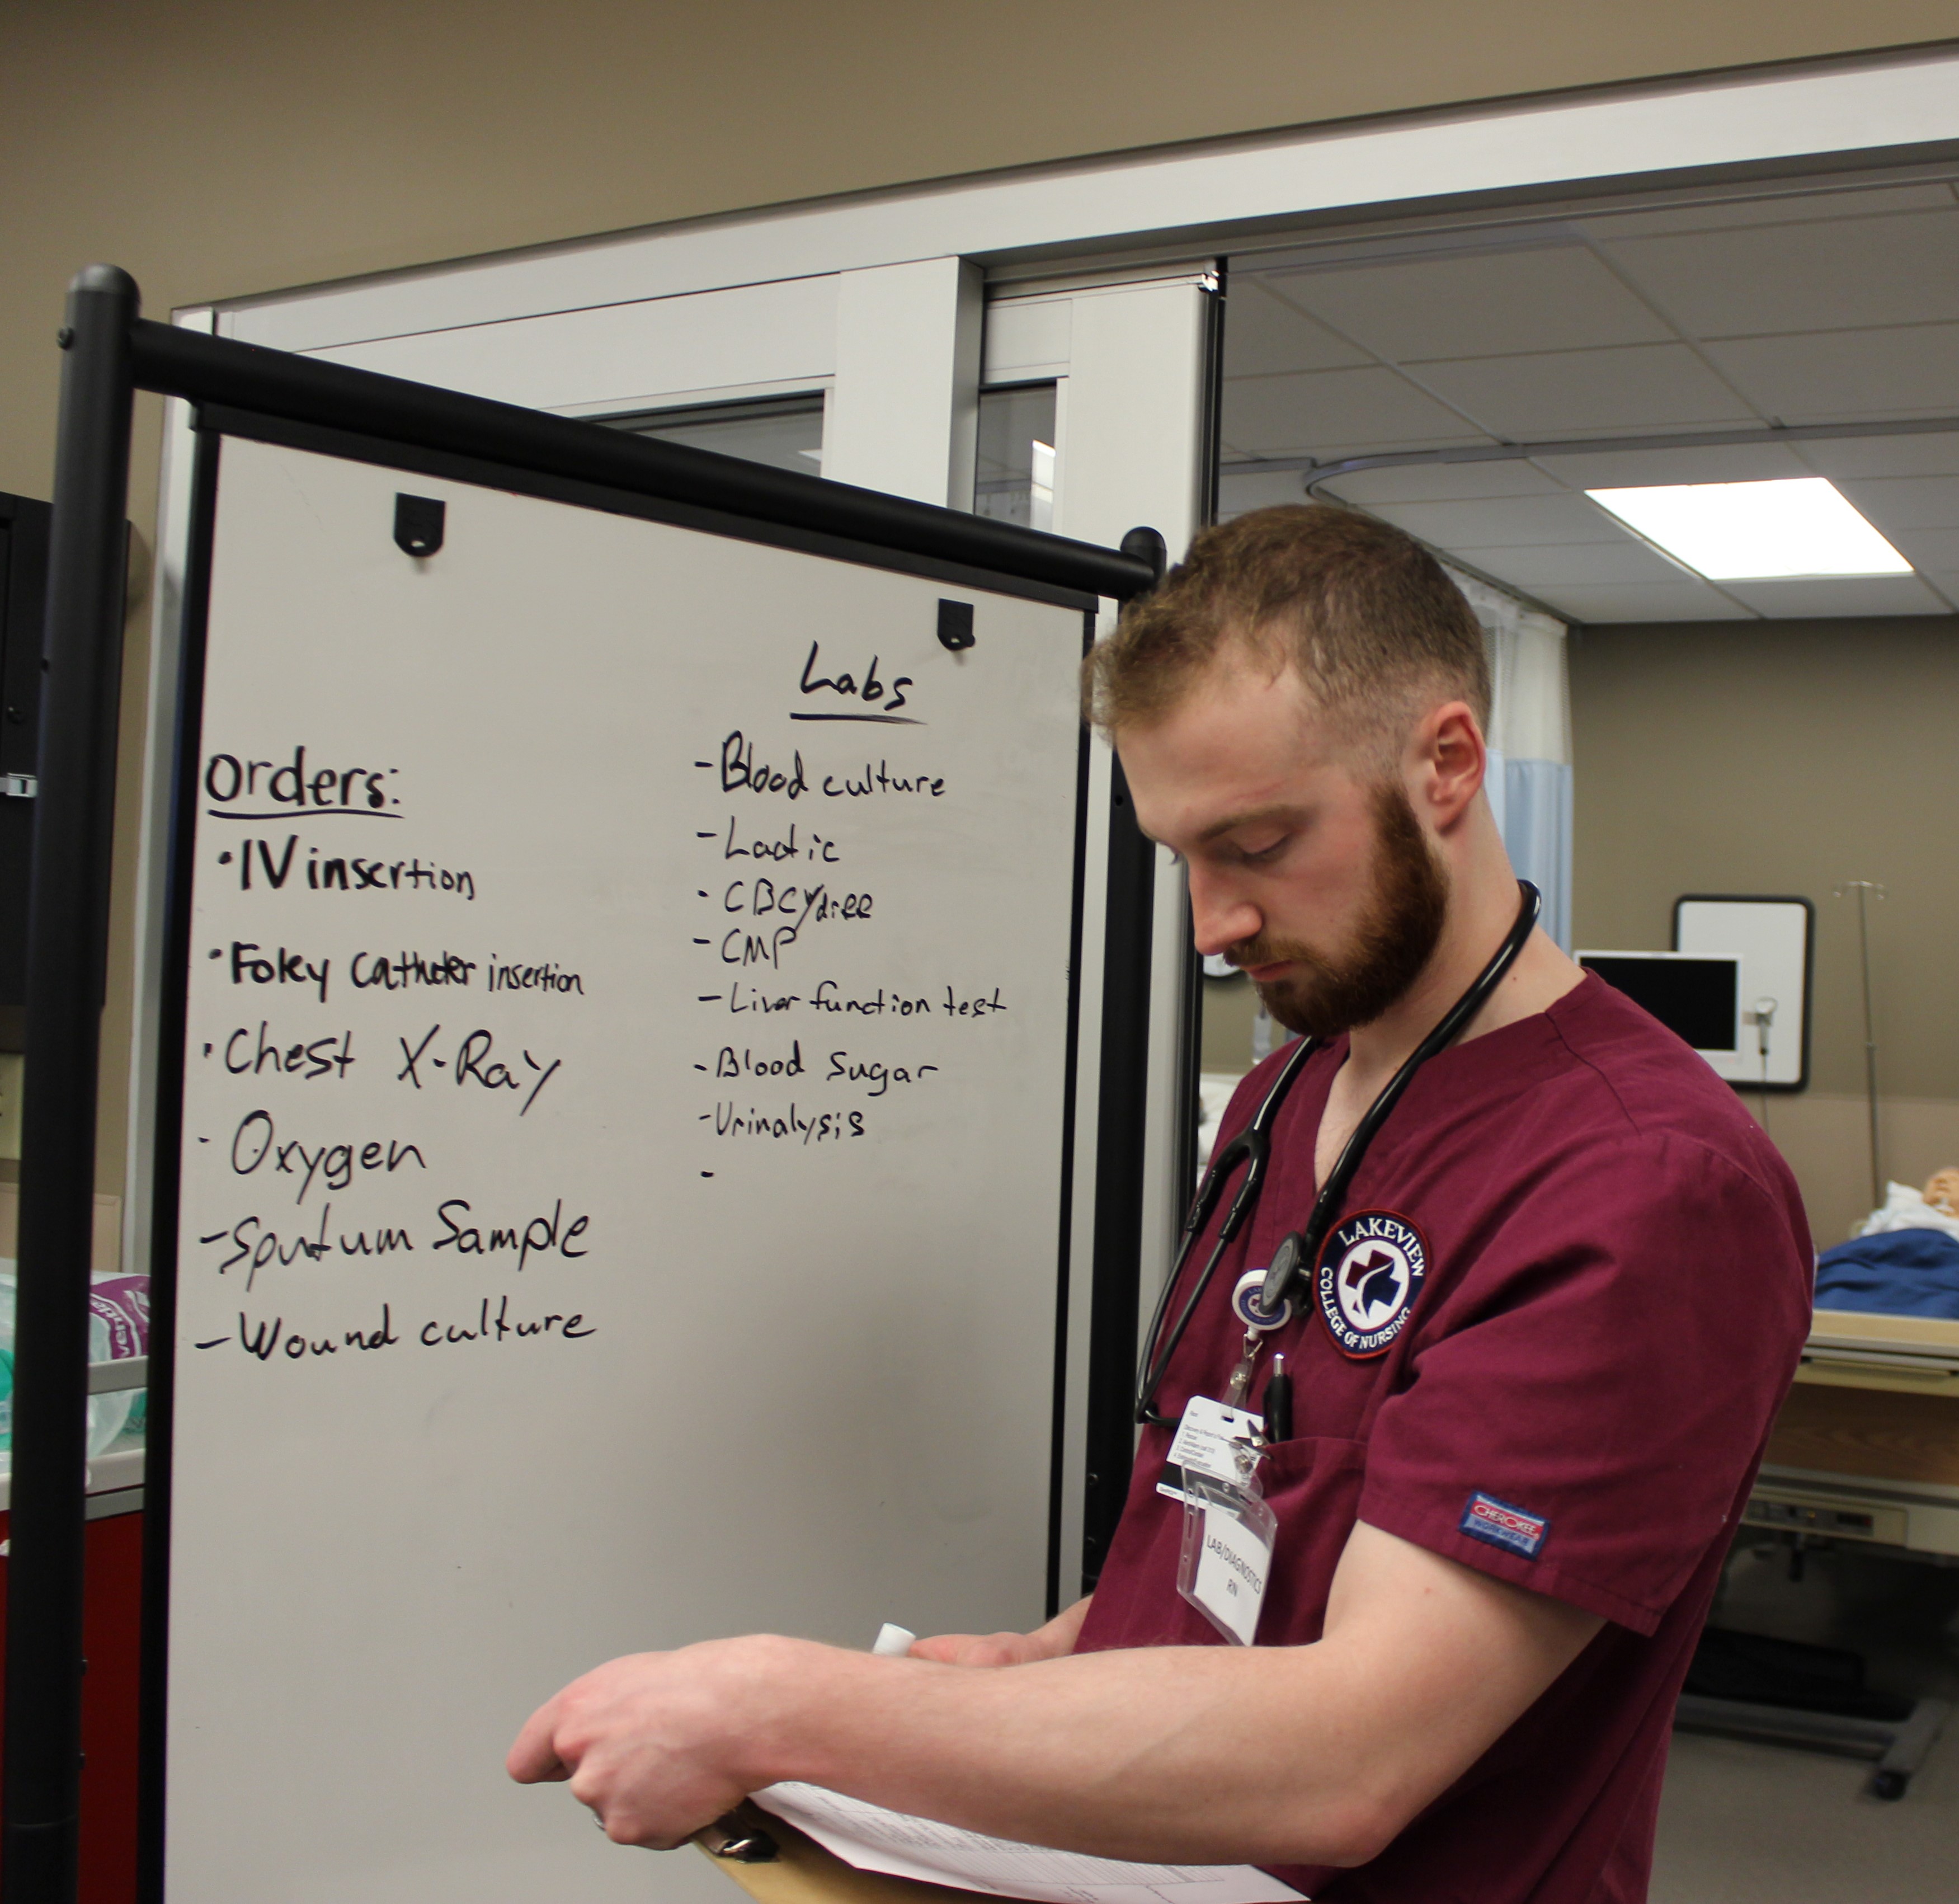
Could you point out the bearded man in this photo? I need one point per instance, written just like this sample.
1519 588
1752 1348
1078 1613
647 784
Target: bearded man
1522 1430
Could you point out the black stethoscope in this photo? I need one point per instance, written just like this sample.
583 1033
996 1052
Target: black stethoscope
1252 1147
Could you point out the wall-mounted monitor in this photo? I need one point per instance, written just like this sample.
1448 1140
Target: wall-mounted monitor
1697 997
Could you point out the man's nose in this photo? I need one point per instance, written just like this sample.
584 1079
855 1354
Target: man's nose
1220 919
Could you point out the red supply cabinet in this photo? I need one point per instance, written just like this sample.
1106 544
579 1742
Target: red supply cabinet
111 1616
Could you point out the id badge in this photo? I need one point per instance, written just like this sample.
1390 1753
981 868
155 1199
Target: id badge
1208 1441
1228 1528
1226 1560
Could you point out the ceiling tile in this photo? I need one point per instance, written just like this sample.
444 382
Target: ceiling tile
1926 548
1795 208
1263 334
1431 482
1925 455
1579 565
1848 375
1508 522
1944 583
1640 387
1319 411
1636 468
1897 503
1478 304
1833 275
1846 595
1642 601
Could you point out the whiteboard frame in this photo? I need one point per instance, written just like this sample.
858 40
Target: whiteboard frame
420 446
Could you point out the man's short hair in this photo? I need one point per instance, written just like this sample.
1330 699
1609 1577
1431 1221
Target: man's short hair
1363 612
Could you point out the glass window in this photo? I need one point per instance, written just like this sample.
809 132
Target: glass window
1015 478
786 433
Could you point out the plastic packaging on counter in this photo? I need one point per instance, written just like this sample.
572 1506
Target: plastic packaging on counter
119 1327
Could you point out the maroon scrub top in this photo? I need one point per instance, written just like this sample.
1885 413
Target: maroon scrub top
1615 1291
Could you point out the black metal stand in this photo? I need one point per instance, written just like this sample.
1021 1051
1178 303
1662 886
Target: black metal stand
1120 1160
67 933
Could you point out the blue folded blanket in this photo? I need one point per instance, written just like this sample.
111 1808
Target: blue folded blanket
1912 1272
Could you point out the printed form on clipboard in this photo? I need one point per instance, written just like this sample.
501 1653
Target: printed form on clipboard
874 1839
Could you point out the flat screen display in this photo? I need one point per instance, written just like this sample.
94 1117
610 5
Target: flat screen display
1693 998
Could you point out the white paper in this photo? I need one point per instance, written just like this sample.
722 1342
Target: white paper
874 1839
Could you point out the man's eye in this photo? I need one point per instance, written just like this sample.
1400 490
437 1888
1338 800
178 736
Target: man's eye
1257 855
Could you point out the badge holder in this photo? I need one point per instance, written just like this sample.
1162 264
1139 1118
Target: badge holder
1228 1533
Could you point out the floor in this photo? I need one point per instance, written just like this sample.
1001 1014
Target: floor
1743 1823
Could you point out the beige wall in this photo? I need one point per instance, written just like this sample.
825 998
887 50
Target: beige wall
217 148
1786 757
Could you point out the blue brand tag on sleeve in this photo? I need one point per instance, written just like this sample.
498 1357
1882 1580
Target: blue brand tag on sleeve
1499 1525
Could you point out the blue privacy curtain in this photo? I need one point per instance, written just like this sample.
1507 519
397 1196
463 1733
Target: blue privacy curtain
1532 799
1529 783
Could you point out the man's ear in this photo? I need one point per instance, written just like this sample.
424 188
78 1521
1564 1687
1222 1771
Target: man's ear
1450 760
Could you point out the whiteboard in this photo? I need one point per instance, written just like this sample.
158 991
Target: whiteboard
1771 937
625 1092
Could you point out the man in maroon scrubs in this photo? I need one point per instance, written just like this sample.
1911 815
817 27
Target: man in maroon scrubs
1564 1297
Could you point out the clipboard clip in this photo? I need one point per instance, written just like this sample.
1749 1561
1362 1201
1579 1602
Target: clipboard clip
731 1836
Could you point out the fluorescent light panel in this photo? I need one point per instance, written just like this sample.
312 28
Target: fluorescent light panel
1755 532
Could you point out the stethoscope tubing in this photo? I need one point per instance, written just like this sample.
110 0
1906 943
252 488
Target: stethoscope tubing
1253 1144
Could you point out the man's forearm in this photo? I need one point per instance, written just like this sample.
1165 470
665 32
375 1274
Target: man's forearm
1166 1754
1307 1755
1298 1755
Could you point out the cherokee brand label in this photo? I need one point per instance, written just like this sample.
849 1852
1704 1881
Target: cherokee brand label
1500 1524
1370 1275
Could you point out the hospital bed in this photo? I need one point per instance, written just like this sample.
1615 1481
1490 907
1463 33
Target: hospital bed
1866 1449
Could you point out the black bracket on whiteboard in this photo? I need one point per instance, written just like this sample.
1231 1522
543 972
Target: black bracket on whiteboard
418 524
111 352
955 626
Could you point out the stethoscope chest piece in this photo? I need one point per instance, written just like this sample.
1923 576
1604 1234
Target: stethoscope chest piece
1276 1286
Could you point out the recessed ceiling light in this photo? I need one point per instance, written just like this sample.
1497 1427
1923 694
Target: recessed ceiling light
1755 532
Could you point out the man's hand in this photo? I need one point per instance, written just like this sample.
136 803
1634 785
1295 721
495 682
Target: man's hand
658 1744
1054 1640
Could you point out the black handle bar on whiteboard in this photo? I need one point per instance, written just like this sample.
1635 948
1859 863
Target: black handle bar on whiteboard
176 362
110 352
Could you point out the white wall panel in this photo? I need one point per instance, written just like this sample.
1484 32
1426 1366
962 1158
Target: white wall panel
903 412
661 350
1131 455
1717 122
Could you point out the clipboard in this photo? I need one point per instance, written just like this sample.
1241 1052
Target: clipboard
804 1873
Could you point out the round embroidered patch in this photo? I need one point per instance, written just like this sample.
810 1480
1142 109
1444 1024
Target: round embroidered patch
1370 1274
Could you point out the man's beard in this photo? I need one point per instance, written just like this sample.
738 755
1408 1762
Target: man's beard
1397 935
